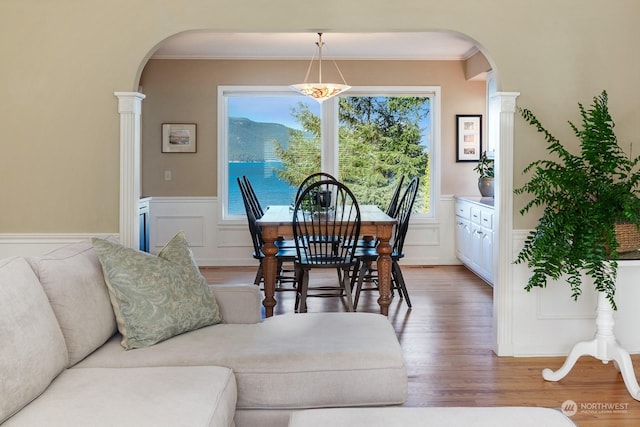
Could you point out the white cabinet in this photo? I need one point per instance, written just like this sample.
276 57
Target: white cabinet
463 239
474 235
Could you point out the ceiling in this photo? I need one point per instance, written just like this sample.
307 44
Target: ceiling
435 45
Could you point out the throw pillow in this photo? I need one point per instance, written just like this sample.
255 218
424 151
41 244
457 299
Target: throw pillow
156 297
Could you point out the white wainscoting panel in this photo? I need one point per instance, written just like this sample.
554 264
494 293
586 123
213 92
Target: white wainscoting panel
167 226
212 243
31 244
548 322
432 242
193 215
217 243
627 317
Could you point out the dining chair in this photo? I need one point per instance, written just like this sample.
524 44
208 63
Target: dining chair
366 256
392 210
258 211
253 198
314 177
284 255
326 225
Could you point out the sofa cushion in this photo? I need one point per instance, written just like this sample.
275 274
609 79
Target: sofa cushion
132 397
156 297
505 416
238 303
72 279
289 361
32 348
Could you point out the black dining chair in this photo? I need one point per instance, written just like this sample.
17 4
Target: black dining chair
314 177
366 256
392 210
326 225
284 255
253 198
258 211
392 207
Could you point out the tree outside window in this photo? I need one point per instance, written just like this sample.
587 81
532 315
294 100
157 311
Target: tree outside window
380 139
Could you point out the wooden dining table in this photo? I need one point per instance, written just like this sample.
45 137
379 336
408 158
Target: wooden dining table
277 221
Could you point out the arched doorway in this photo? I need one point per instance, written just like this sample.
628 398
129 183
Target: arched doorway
503 109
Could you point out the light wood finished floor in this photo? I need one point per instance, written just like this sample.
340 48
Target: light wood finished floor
446 339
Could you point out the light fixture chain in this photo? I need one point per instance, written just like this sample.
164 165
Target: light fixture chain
339 72
319 57
306 77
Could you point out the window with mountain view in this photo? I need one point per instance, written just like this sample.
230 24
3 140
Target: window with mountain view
274 138
258 128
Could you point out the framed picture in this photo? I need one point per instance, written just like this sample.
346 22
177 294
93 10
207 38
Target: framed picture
178 138
468 137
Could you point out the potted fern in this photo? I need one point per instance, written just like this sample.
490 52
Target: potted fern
583 197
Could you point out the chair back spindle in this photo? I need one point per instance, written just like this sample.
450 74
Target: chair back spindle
405 207
254 229
392 208
252 198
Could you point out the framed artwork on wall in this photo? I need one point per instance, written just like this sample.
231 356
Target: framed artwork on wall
178 138
468 137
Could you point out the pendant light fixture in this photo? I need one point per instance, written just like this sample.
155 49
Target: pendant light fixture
320 91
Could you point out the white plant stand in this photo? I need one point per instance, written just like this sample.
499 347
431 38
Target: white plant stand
603 347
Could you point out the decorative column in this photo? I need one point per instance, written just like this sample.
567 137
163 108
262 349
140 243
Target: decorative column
503 105
129 108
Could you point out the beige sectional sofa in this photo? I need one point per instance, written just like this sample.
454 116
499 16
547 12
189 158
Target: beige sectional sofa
62 364
505 416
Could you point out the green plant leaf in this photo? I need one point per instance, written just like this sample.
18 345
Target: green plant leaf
583 196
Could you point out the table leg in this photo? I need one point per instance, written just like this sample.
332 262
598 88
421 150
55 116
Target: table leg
603 347
384 274
270 271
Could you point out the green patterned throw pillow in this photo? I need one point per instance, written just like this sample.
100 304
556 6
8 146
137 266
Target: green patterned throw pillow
156 297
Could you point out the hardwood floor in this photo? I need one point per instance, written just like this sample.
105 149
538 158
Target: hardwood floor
446 339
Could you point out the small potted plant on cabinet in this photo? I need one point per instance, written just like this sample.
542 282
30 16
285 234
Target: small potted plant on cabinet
485 169
584 197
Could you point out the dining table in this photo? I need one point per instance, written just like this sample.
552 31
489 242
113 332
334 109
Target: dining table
277 222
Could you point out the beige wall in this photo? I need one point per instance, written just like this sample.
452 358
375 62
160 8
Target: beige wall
58 115
185 91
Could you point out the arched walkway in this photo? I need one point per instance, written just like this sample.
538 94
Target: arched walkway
503 106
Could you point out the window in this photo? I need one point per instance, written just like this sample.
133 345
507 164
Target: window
367 138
